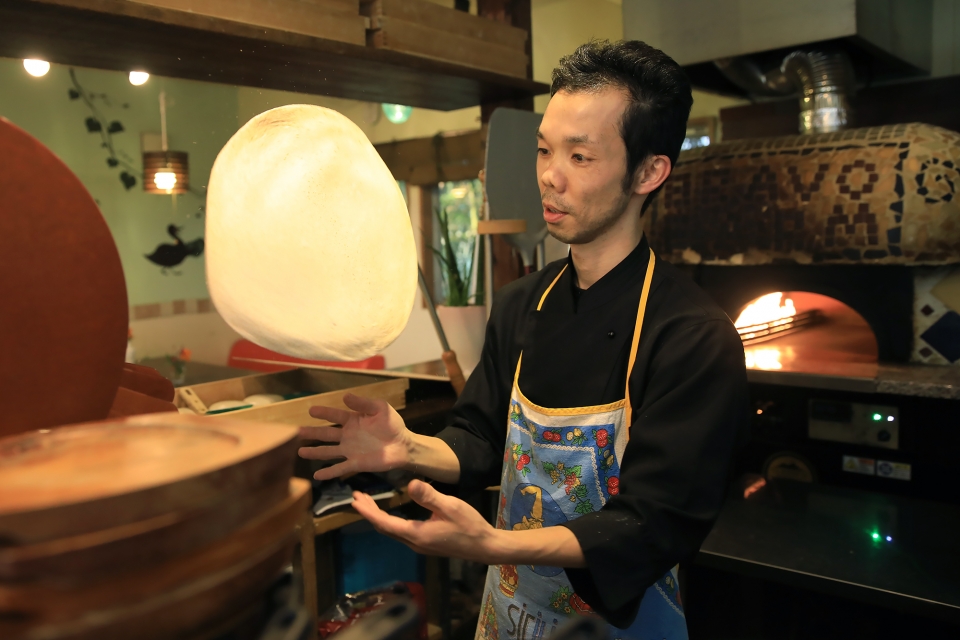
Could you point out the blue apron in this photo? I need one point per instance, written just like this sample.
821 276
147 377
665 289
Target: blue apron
560 464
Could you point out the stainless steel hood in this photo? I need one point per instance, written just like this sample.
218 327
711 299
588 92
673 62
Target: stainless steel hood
886 40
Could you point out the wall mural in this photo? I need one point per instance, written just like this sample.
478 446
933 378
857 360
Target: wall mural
167 255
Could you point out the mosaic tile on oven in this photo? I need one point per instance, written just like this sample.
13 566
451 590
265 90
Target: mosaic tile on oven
935 329
752 196
944 336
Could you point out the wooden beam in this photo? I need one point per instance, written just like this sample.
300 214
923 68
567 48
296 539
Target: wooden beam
427 161
330 19
122 35
434 16
425 203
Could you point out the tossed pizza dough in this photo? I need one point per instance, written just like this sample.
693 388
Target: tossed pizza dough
309 247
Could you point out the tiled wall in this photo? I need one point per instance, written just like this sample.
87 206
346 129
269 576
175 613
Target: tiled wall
171 308
936 323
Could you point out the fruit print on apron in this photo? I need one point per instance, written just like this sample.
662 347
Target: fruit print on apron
560 464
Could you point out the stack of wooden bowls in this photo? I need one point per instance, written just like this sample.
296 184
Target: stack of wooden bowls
158 526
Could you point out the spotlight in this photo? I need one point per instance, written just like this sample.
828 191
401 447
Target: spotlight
137 78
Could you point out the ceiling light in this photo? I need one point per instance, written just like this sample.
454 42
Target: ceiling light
165 171
36 68
137 78
397 113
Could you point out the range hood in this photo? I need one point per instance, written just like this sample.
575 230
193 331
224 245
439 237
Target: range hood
885 40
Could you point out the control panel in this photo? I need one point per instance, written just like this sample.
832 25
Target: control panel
854 423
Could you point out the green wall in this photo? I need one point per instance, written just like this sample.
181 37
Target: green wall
201 118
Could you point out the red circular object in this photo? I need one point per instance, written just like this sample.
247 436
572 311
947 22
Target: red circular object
602 438
613 485
63 330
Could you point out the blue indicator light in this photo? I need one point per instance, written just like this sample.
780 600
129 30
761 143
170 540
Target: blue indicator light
889 418
889 539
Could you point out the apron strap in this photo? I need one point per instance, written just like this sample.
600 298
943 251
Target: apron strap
544 296
516 375
647 279
641 310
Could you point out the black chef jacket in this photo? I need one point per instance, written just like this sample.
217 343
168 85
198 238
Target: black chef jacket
689 395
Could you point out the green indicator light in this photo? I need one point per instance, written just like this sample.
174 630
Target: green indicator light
877 417
876 536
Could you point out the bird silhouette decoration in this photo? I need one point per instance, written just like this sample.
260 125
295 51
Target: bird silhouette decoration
167 256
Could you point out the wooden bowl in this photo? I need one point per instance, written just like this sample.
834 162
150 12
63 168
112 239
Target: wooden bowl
181 596
90 478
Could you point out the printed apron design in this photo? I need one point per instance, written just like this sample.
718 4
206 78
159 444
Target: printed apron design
560 464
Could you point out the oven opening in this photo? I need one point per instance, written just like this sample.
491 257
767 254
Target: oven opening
806 332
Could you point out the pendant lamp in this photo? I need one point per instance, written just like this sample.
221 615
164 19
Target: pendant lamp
165 171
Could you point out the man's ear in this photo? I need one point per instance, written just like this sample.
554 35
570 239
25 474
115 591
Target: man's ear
651 174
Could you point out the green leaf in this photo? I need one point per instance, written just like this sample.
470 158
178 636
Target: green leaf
574 470
548 467
584 507
580 491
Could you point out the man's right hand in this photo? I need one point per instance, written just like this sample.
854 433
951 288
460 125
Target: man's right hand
371 437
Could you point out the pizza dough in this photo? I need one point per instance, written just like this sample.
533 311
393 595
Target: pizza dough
309 247
262 399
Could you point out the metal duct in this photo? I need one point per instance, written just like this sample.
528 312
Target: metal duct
825 82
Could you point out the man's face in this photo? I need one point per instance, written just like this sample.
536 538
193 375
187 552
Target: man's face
581 162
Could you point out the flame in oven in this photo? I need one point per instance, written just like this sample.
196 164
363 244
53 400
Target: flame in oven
766 311
772 316
765 358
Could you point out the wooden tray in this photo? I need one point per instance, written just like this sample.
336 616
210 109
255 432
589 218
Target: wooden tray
86 478
327 385
183 595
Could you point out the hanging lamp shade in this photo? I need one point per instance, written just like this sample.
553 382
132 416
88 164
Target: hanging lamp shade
166 172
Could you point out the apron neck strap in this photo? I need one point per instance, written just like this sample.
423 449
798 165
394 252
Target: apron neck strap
641 310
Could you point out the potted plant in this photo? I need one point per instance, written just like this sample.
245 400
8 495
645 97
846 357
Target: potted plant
461 257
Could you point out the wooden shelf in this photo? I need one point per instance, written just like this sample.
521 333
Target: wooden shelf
121 35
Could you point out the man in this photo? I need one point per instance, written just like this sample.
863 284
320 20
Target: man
611 436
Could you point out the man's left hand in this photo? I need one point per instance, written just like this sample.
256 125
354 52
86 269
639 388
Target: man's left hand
455 529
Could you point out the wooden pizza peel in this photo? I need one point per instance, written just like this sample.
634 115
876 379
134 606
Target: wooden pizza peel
510 179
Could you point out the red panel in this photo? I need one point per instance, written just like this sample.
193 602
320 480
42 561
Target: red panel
247 349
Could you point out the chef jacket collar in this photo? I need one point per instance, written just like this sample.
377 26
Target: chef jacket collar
629 272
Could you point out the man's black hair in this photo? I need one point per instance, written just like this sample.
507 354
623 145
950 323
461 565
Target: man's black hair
655 120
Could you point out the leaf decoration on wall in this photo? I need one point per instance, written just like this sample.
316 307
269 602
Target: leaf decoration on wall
97 123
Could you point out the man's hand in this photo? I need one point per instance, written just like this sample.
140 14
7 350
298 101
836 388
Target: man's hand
372 437
456 530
